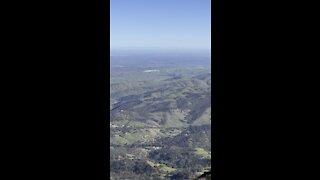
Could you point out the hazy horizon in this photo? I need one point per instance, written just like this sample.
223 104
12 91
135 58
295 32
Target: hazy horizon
114 51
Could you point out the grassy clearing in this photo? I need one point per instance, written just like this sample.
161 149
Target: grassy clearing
167 169
162 167
203 153
133 137
142 135
130 156
119 140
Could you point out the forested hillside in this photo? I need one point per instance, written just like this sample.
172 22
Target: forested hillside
160 117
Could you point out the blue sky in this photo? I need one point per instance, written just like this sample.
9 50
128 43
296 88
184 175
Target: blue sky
160 24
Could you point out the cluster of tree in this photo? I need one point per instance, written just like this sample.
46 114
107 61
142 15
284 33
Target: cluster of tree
180 175
137 167
192 137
